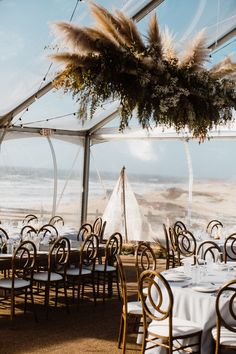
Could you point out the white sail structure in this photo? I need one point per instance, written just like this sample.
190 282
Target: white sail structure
123 213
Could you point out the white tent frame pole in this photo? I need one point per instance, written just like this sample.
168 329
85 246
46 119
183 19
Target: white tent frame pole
85 190
55 175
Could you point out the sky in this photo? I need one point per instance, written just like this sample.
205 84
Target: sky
26 38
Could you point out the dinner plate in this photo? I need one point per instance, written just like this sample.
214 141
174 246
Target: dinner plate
176 278
205 288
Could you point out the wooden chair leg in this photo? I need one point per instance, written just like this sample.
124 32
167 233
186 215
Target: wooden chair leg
12 303
56 297
25 304
33 305
120 337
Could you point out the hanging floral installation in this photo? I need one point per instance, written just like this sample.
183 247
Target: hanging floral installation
112 61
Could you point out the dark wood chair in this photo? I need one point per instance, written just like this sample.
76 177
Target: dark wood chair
186 245
214 226
209 249
57 220
21 279
106 272
230 248
55 273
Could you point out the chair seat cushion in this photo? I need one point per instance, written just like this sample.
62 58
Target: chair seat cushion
101 267
76 271
180 327
134 307
226 337
43 276
18 283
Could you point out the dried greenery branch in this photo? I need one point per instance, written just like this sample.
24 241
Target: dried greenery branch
112 61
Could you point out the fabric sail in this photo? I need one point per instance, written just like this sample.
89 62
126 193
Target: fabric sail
123 213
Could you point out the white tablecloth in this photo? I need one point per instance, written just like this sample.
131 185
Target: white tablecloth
198 306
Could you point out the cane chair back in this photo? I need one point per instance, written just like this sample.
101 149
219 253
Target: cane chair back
97 226
225 332
160 329
213 227
145 258
28 232
57 220
230 248
209 250
186 244
29 218
23 265
129 309
84 231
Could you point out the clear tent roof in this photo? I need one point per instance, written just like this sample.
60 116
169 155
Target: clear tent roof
26 39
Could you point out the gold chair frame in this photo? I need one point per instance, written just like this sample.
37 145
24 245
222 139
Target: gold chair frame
228 288
157 310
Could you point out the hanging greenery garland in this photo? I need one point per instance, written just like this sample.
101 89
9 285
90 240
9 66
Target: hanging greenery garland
112 61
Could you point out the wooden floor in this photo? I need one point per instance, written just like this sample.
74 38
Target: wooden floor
92 329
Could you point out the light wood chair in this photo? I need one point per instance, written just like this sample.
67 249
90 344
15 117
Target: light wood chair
21 279
161 329
224 334
55 273
131 310
107 270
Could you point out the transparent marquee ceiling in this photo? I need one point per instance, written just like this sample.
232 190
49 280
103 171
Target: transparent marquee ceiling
26 41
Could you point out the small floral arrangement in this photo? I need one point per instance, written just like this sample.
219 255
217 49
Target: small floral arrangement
112 61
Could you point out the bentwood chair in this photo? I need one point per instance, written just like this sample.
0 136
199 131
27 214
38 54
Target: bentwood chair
107 270
48 232
56 220
3 239
145 258
209 250
224 333
84 231
230 248
28 232
131 310
21 280
186 245
29 218
97 226
179 226
161 329
83 273
55 273
213 226
171 247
